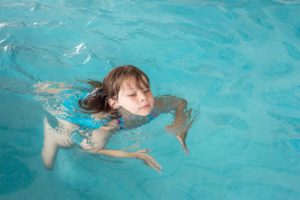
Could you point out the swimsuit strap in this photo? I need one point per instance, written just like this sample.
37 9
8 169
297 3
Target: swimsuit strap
121 122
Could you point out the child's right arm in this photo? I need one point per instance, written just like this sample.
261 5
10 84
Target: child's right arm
99 139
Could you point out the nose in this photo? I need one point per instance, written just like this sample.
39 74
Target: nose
142 97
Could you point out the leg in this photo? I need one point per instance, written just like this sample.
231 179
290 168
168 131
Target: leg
50 87
55 139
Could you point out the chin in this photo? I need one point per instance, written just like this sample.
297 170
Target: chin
145 112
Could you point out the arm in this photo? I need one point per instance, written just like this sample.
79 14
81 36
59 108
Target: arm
141 154
99 140
181 123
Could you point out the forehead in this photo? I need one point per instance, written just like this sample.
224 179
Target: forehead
132 83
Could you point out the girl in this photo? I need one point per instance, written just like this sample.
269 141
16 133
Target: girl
122 101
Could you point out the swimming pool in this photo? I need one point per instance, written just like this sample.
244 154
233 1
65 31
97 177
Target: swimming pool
236 62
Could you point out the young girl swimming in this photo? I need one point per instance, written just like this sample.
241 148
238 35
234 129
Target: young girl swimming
122 101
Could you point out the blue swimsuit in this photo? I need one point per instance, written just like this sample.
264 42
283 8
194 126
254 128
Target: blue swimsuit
73 113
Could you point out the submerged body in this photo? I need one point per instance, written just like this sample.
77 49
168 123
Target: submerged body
131 106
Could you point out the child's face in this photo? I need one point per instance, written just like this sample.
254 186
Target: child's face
138 101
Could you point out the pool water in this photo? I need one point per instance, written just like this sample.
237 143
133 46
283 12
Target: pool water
235 62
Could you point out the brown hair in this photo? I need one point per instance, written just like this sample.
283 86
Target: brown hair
97 99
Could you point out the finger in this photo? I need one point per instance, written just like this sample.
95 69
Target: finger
180 139
186 150
183 145
190 123
189 113
148 160
152 163
154 166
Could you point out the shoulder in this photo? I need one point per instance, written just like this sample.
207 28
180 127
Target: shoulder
167 103
168 99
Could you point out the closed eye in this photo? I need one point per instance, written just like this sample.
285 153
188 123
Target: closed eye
147 90
132 95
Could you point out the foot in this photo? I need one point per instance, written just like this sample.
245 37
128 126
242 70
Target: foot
52 142
50 87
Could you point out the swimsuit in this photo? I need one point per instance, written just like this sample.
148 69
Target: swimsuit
72 113
69 110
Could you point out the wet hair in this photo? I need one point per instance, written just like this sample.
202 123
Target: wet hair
97 99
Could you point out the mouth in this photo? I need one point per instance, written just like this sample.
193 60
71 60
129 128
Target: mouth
145 107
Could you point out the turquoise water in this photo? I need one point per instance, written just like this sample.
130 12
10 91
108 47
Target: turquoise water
235 62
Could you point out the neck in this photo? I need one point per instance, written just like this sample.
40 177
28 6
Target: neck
129 116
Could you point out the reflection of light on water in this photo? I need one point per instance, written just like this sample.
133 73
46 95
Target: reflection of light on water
288 2
2 25
77 50
1 41
88 58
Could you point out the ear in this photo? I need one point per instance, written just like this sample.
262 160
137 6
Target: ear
113 104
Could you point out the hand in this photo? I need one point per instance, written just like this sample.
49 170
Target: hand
181 133
142 155
181 138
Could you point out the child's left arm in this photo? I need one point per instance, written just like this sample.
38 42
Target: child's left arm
181 123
